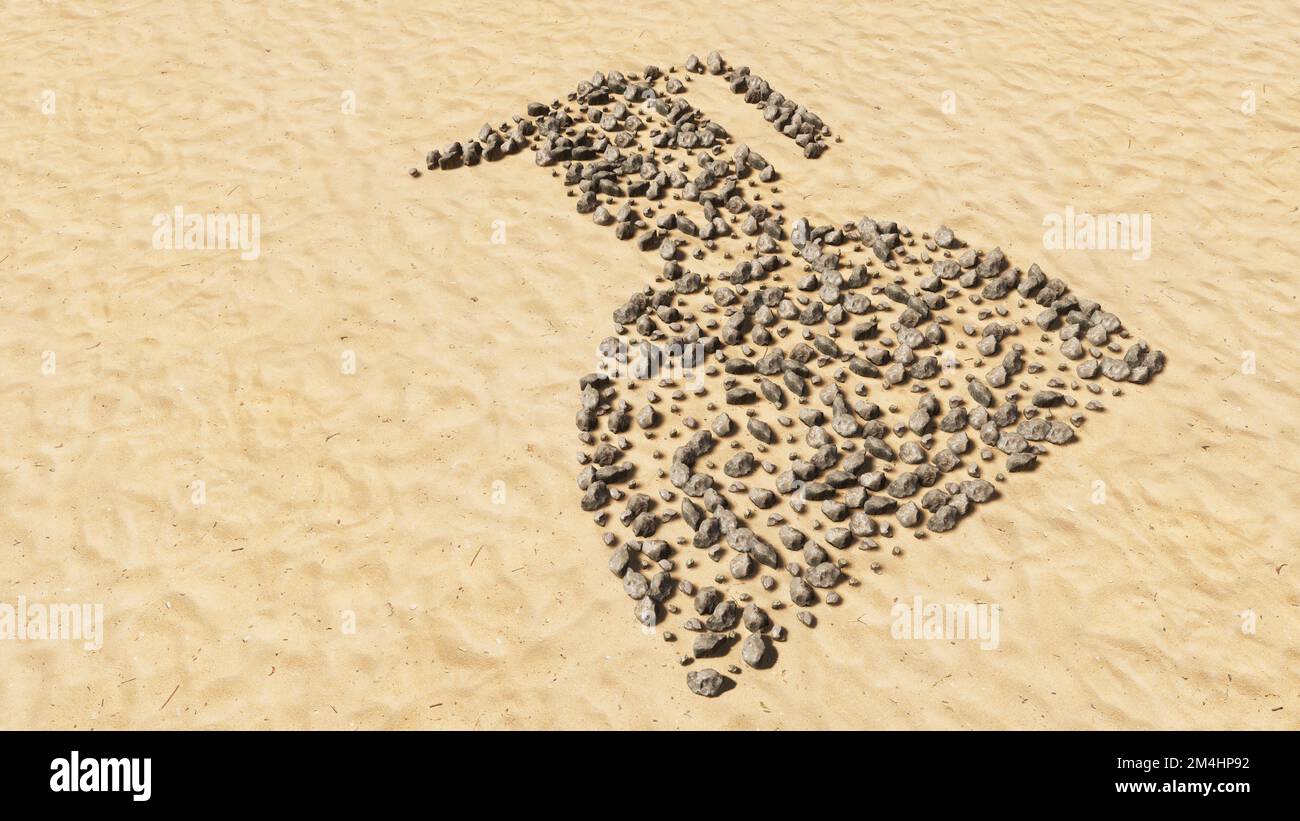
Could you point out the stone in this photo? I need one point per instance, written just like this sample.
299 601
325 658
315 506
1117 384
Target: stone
741 566
724 616
801 593
710 645
1115 370
823 575
645 612
707 682
754 650
943 519
1021 461
635 585
754 618
707 599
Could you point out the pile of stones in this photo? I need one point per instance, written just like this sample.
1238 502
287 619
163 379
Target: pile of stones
785 115
836 388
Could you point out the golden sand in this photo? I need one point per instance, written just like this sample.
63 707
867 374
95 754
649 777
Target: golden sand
350 566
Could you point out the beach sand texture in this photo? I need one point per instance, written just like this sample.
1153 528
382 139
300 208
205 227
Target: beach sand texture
369 499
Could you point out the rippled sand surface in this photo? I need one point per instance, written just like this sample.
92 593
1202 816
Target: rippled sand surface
350 565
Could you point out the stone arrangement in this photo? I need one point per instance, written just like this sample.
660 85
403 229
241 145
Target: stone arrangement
830 391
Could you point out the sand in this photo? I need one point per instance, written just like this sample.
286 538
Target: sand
354 563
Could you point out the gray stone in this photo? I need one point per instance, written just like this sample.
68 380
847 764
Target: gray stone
635 585
823 575
707 599
707 682
753 651
1115 370
801 593
724 616
742 464
620 560
905 485
1017 462
710 645
1059 433
943 519
741 565
645 612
